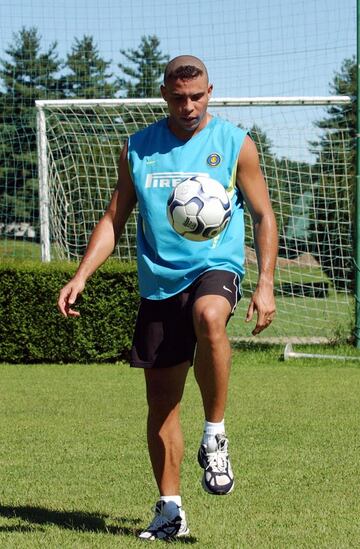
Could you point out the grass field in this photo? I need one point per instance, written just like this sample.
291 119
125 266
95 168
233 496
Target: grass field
19 249
74 470
308 317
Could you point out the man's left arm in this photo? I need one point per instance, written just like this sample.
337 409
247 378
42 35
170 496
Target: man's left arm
251 182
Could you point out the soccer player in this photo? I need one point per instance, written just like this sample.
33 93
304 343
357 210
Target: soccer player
188 289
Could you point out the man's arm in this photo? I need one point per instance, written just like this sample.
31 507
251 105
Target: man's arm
253 187
103 238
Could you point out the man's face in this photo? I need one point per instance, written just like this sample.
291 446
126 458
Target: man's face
187 104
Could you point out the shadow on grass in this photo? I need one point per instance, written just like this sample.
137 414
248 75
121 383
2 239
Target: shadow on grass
18 529
73 520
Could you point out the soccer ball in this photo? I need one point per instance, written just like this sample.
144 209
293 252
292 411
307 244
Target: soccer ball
199 208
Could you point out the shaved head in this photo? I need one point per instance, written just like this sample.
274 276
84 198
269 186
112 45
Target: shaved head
187 91
185 67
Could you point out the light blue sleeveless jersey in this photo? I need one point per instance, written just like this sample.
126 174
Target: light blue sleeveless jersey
158 160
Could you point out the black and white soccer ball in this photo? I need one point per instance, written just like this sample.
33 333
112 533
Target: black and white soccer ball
199 208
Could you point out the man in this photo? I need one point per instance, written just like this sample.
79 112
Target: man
188 289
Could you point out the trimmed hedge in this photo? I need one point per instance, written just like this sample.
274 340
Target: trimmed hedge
32 329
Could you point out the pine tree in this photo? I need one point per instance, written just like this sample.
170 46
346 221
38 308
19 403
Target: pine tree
288 183
89 76
27 75
335 168
148 67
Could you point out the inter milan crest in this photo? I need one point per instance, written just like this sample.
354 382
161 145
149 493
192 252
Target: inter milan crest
213 160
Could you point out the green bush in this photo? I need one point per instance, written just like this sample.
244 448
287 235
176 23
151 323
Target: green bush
32 329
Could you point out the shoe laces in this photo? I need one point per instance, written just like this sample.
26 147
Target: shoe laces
160 518
217 460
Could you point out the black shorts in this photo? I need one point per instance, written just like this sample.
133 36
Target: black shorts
164 333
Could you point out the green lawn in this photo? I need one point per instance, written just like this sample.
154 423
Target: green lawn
332 318
19 249
74 470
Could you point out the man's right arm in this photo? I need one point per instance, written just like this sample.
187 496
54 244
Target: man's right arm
103 238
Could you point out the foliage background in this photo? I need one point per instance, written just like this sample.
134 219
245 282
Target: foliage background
32 330
252 48
28 72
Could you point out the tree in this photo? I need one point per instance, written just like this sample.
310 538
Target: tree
149 65
267 162
88 77
335 180
26 76
287 180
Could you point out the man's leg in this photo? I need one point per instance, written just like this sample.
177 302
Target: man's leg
212 371
213 353
164 388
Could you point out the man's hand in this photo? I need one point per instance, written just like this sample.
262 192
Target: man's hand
68 296
263 302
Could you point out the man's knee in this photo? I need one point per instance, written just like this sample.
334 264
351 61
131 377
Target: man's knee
210 316
207 321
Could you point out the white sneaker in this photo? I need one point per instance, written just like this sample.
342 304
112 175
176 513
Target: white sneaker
169 522
218 477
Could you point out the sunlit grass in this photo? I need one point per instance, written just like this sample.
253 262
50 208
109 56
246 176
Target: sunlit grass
75 471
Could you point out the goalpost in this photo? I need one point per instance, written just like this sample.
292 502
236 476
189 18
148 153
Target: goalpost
310 179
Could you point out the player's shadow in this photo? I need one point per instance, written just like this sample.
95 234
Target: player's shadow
73 520
70 520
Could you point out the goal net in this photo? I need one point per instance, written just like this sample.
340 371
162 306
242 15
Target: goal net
308 167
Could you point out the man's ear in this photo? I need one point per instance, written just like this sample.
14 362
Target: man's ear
163 92
210 89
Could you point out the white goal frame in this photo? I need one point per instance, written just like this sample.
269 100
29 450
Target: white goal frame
309 289
44 202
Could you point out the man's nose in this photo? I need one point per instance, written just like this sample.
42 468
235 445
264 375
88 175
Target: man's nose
188 105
